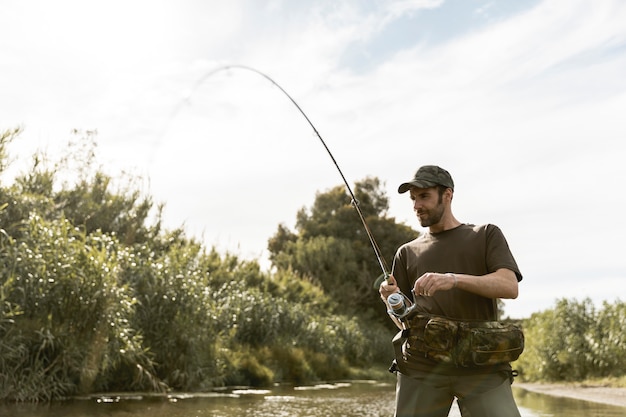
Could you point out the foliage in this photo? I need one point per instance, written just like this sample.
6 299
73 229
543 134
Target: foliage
6 137
94 298
65 321
575 341
174 312
331 248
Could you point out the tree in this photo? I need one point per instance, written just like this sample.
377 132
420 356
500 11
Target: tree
330 246
93 299
559 342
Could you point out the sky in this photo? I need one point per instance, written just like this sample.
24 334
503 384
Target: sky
523 102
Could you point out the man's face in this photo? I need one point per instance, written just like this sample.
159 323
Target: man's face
428 205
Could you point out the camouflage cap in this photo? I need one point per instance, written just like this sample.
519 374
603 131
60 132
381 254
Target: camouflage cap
426 177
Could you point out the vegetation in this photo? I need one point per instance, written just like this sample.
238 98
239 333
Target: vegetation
575 341
330 247
96 296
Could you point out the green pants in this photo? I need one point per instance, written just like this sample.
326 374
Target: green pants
431 395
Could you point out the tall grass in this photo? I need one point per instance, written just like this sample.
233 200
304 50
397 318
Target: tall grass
82 313
65 320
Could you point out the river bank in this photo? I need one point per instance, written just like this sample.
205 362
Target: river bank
593 393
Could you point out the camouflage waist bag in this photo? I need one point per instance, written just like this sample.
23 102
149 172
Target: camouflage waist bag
466 344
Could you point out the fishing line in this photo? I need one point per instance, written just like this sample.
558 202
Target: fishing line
354 202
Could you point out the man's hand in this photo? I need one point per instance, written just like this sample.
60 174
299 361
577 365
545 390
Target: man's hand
431 282
388 287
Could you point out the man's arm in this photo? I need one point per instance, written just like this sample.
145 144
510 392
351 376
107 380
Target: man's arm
499 284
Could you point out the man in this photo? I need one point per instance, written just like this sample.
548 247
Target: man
454 274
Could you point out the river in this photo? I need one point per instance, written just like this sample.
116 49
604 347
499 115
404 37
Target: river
349 399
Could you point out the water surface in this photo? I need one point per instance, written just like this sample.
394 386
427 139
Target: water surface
349 399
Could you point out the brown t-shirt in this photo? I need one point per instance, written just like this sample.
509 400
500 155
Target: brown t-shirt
466 249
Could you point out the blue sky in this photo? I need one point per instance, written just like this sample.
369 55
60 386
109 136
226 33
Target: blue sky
522 101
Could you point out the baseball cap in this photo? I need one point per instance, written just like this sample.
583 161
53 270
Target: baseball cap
426 177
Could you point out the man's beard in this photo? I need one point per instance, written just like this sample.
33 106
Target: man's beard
432 216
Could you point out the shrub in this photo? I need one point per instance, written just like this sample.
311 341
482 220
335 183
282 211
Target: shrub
66 321
574 341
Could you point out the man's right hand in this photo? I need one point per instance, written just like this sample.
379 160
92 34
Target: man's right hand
388 287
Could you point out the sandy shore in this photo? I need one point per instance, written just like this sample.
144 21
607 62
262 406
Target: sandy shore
598 394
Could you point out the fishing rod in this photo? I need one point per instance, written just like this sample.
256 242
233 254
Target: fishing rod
400 304
354 201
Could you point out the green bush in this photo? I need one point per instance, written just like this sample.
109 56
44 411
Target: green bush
174 313
608 348
65 320
92 298
574 342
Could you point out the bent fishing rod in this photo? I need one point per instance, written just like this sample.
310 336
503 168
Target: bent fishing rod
354 202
